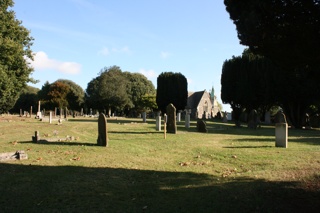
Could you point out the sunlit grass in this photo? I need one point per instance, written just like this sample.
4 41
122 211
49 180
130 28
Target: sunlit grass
142 171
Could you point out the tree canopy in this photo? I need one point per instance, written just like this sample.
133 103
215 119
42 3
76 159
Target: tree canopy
172 88
287 32
118 91
15 51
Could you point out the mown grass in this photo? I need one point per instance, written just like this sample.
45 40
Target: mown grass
225 170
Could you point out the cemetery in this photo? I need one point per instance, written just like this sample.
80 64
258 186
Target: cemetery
120 164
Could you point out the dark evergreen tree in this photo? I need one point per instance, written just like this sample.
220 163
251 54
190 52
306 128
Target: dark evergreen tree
287 32
172 88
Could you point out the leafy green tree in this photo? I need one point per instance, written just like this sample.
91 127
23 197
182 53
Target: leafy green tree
58 93
287 32
75 96
109 90
172 88
28 98
139 90
15 50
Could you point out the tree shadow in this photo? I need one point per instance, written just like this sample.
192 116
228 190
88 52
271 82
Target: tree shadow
32 188
64 143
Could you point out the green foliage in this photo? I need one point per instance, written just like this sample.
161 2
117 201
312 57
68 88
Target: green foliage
62 93
118 91
139 88
27 98
172 88
287 32
15 44
75 96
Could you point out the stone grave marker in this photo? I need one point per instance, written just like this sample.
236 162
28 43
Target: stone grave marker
144 117
171 124
280 117
18 155
158 123
202 126
50 117
253 119
178 116
36 137
102 131
187 120
281 135
267 117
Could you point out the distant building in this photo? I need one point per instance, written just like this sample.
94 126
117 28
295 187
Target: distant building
202 104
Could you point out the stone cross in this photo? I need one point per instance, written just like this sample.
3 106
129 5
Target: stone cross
102 131
171 112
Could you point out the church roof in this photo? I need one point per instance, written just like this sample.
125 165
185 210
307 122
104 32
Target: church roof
194 99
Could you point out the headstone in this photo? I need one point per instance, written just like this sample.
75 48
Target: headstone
20 112
18 155
81 112
158 123
282 135
102 131
201 126
280 117
187 120
225 119
36 137
31 112
144 117
66 113
267 117
253 119
50 117
165 120
178 116
55 111
39 114
171 112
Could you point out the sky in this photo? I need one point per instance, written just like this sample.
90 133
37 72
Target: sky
76 39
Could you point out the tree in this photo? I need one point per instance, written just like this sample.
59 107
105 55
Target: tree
75 96
138 89
109 90
287 32
249 82
172 88
61 93
15 51
28 98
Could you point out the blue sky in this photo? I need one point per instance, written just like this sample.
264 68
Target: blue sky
75 39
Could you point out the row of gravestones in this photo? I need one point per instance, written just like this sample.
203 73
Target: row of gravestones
281 130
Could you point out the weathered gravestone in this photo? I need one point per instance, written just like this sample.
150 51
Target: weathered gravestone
202 126
282 135
36 137
171 123
179 116
253 119
158 123
102 131
187 120
280 117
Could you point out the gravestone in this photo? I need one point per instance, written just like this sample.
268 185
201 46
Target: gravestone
178 116
144 117
202 126
171 124
281 135
187 120
158 123
225 118
36 137
102 131
31 112
280 117
253 119
50 117
267 117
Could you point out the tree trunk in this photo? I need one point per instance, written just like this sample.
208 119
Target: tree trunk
296 114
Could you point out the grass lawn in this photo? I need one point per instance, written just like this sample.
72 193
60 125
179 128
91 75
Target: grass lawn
225 170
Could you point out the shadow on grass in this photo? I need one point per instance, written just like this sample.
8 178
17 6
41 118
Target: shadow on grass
31 188
65 143
239 147
134 133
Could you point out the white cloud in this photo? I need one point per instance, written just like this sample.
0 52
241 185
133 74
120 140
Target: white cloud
148 73
190 81
164 54
43 62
